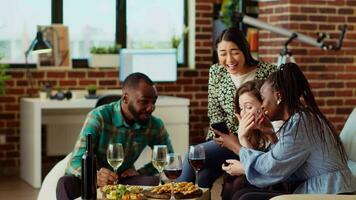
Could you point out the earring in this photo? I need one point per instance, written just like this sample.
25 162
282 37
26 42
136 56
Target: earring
278 101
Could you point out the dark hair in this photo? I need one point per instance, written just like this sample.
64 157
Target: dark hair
132 81
290 81
236 36
257 139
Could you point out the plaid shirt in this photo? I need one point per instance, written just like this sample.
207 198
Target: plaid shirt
107 124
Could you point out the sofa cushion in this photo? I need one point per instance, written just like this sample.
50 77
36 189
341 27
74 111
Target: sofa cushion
348 136
49 185
352 165
314 197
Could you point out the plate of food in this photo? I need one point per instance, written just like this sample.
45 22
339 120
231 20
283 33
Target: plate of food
182 190
122 192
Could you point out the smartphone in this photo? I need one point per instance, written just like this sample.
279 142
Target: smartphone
221 126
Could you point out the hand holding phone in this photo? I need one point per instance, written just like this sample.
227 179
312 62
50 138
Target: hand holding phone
221 126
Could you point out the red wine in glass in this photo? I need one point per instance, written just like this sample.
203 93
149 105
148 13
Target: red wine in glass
197 163
173 169
196 157
172 174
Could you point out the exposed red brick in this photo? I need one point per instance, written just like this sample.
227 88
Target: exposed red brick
201 80
184 81
308 26
325 10
317 18
12 107
56 74
7 99
6 147
351 19
336 3
68 83
74 74
326 27
16 74
201 7
346 11
336 85
190 88
190 73
343 93
333 102
86 82
308 10
16 91
351 85
172 89
38 75
12 154
92 74
336 19
108 82
351 102
112 74
326 93
344 111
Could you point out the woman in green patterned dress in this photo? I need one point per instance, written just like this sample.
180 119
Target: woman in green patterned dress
236 66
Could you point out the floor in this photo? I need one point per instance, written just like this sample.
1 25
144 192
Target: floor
12 188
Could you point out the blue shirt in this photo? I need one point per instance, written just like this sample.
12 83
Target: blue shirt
299 156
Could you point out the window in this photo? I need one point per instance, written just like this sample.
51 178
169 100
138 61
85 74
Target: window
149 24
93 25
18 27
153 24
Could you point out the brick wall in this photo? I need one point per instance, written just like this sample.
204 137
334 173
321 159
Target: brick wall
332 74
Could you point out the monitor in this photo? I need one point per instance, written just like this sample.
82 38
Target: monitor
158 64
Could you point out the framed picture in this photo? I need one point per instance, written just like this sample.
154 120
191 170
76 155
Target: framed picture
57 35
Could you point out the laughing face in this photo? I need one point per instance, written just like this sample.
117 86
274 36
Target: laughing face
269 102
141 103
231 57
248 104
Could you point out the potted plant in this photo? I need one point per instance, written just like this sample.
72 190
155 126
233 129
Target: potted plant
91 90
105 56
3 77
45 90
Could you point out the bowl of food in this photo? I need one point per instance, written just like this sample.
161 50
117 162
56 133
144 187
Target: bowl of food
122 192
182 190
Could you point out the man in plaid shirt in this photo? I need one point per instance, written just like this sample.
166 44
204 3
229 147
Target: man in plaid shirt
128 121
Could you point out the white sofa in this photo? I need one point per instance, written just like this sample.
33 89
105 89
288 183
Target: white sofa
49 184
348 138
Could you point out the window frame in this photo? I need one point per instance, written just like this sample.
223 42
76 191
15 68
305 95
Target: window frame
57 18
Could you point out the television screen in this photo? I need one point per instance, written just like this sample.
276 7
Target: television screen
158 64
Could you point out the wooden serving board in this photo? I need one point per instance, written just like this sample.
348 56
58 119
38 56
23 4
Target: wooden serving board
150 194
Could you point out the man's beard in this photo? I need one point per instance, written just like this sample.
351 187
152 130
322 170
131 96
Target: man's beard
136 115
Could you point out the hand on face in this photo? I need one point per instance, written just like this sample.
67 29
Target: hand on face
263 123
106 177
246 124
234 167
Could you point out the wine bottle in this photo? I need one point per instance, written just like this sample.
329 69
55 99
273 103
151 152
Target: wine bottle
88 178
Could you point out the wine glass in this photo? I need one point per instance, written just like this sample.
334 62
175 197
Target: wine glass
115 156
196 157
159 159
173 170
